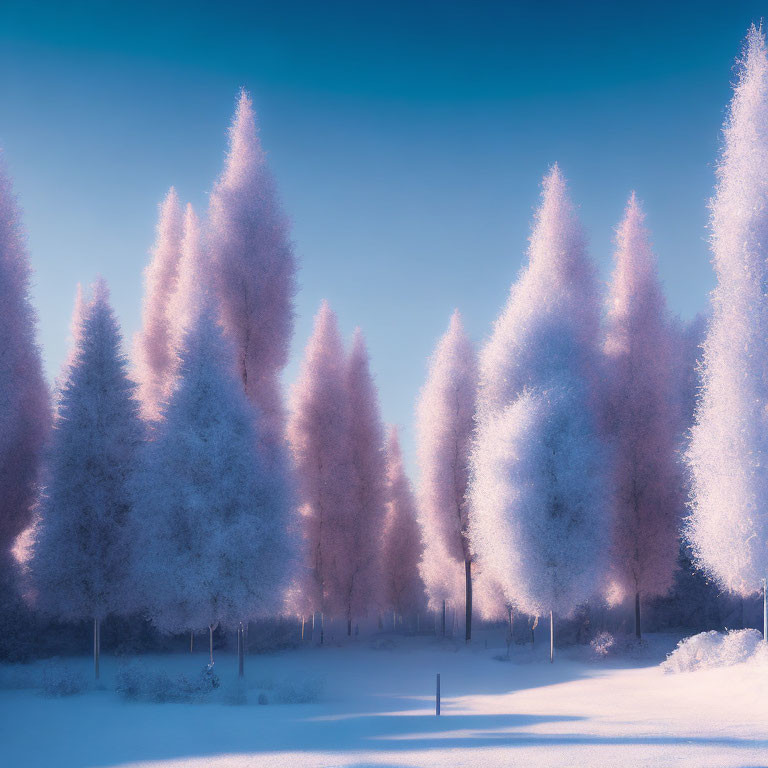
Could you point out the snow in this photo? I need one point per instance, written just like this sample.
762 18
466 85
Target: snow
715 649
375 707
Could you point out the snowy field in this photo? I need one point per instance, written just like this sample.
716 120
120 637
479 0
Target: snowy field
371 703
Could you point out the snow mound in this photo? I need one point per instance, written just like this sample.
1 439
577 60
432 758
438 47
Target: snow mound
715 649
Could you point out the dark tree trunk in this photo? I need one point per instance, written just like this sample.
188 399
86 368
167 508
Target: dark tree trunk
349 626
191 641
443 619
638 631
468 599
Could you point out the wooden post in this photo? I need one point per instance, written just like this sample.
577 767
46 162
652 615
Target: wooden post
437 697
240 650
551 638
96 646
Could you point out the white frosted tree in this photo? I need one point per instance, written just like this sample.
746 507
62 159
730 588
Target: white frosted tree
81 552
445 422
539 519
154 352
728 452
211 517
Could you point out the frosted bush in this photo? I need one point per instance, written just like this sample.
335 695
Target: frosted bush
61 681
714 649
602 644
136 683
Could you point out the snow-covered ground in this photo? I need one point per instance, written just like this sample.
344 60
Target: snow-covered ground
371 703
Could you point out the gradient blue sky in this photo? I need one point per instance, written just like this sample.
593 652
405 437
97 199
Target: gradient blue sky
408 140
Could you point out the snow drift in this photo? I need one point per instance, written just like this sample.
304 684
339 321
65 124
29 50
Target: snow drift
715 649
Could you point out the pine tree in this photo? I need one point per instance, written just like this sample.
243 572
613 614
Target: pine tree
154 350
642 419
403 590
539 513
445 426
81 553
360 563
211 515
25 405
254 268
318 432
728 453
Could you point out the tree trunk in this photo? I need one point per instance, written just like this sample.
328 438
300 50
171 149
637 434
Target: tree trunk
210 641
551 638
96 646
765 610
322 627
191 640
302 629
443 621
468 599
638 632
349 625
240 650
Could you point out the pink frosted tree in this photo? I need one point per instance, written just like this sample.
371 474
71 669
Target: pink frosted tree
255 268
360 563
154 349
403 589
445 425
192 283
728 452
642 419
540 493
317 431
25 404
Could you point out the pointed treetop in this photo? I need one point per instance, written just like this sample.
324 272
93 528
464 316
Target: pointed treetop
245 149
557 242
394 452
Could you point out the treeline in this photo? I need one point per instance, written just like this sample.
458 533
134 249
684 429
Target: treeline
555 463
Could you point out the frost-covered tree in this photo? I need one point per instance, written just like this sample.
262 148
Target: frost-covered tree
154 349
211 516
642 419
254 267
445 425
360 561
403 590
192 284
24 399
539 496
318 434
728 453
81 553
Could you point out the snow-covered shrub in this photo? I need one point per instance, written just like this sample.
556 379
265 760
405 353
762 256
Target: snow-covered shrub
714 649
59 681
304 692
602 644
288 691
137 683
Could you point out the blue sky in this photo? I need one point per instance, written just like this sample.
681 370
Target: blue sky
408 140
